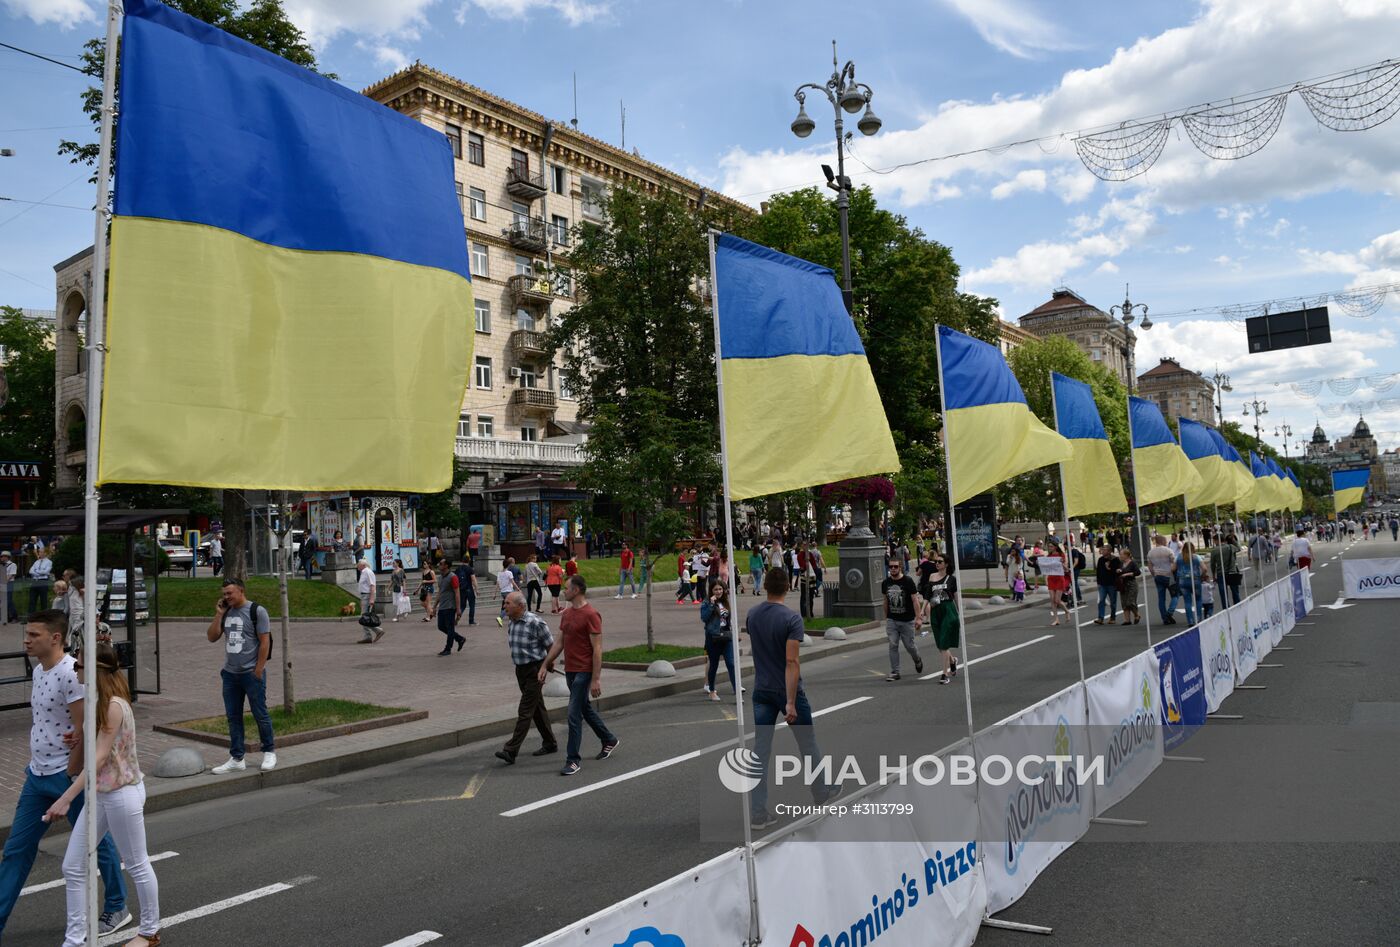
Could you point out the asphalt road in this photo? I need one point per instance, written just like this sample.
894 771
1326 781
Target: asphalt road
457 845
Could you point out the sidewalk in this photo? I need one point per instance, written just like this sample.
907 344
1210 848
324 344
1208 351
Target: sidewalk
470 695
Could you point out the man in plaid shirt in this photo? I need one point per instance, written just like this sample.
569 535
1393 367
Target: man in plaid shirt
530 642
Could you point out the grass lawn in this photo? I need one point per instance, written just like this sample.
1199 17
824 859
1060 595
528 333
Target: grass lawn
638 653
987 591
602 573
311 714
817 624
195 598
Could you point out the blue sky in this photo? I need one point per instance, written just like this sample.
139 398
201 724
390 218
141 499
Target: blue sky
708 91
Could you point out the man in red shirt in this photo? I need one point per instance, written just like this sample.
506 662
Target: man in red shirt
581 641
624 572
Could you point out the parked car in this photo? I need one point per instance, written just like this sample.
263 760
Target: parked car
179 555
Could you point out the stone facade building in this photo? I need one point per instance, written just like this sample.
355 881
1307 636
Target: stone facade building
1178 391
524 183
1357 449
1103 338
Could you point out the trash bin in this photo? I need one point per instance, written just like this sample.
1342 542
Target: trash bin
830 593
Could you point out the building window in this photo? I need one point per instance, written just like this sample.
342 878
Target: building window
461 198
560 228
520 214
593 198
477 205
454 138
528 378
476 149
559 179
464 425
483 372
529 432
480 260
483 315
485 425
563 283
565 391
524 266
524 320
520 161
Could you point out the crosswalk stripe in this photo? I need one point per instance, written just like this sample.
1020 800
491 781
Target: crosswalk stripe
58 883
415 940
208 909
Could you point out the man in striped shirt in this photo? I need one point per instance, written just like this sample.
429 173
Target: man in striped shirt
530 640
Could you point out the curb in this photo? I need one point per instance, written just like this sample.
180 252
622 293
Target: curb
306 736
206 787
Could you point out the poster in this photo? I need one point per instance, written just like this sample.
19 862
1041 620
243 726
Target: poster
1124 728
1183 687
1217 658
976 534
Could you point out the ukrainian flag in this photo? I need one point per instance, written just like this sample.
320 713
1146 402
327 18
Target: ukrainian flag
1265 493
1160 469
1281 484
989 431
1217 481
290 303
1242 479
1091 479
800 404
1296 497
1349 487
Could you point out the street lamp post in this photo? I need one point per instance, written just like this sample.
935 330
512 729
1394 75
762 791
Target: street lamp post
1285 432
1222 385
1125 309
1257 408
843 92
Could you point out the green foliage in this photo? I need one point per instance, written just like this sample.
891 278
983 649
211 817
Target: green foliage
195 598
26 421
264 23
314 714
111 554
443 510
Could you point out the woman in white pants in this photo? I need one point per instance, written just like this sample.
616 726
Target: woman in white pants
121 799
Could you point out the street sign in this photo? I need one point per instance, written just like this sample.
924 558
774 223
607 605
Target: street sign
1288 330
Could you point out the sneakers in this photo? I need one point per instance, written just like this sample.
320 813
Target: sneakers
231 766
570 769
269 761
367 639
378 633
546 750
944 679
634 594
892 676
112 921
764 821
607 750
918 665
619 595
714 696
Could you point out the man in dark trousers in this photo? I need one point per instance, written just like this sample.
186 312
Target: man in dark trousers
530 641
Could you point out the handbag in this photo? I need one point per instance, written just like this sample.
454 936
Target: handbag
370 619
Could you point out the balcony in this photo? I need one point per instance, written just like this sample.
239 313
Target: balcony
533 401
526 290
529 346
526 234
520 452
524 185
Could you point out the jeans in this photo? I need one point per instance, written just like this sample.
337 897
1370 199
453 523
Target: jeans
897 632
1207 609
366 606
38 794
768 706
716 652
1108 593
1163 607
532 709
121 810
581 709
1187 599
624 577
1233 582
469 594
237 687
38 596
217 562
1078 592
308 564
534 595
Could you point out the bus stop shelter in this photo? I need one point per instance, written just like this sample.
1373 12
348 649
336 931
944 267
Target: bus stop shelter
140 651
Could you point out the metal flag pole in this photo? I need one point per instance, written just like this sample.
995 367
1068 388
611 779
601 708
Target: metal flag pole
96 347
754 935
1138 524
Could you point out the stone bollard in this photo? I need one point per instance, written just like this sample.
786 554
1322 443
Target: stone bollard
661 669
835 634
996 600
178 761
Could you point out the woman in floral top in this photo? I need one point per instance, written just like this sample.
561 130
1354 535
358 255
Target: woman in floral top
121 799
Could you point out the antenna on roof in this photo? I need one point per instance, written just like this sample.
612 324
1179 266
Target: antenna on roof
574 121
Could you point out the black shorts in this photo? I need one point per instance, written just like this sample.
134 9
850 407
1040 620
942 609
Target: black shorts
554 591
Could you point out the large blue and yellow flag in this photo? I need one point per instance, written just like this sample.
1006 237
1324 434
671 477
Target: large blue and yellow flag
1296 497
1217 481
1349 487
800 404
1242 479
1265 492
1091 480
1160 469
290 302
1281 484
989 431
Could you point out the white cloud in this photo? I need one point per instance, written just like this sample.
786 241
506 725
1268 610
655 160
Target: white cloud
65 14
323 20
1107 267
1279 227
574 12
1030 180
1072 184
1011 26
390 57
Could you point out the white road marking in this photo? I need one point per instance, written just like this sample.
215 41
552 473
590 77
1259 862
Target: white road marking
994 654
215 908
654 767
416 940
34 889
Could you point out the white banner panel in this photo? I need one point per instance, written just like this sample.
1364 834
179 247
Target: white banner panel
1217 659
1307 590
1125 707
1242 638
1371 578
1283 609
816 887
709 904
1260 609
1025 828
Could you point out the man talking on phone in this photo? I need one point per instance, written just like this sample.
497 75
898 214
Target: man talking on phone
244 626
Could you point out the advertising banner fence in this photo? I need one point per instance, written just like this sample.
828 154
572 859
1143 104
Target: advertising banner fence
1371 578
1124 710
1182 675
1242 639
1217 658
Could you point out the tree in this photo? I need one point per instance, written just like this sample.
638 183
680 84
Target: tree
443 510
26 419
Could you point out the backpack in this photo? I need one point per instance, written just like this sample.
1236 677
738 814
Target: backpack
253 616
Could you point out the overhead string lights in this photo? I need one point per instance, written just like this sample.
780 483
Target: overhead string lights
1339 408
1346 386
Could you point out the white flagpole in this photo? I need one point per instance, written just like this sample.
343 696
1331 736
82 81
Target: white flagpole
733 605
96 346
1138 523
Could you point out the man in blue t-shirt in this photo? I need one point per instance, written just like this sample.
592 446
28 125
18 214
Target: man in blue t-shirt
775 635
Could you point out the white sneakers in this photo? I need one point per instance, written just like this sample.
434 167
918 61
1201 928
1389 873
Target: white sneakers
231 765
634 594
